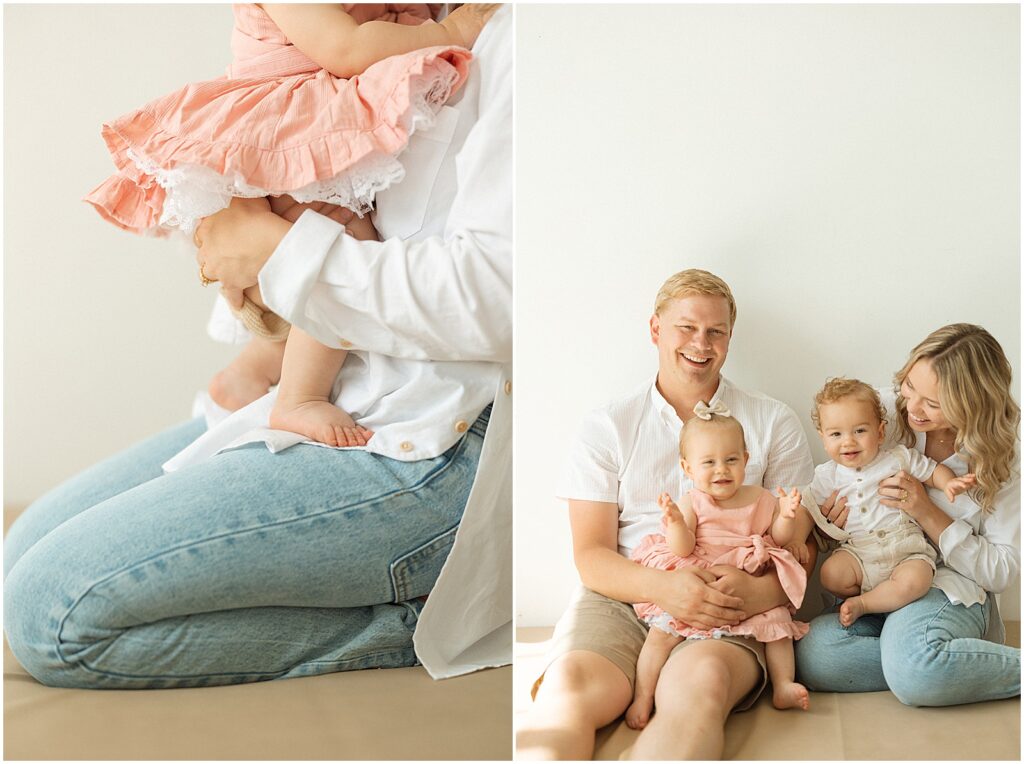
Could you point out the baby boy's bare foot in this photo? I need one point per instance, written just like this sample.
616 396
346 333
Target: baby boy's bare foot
320 421
850 611
790 695
233 388
639 713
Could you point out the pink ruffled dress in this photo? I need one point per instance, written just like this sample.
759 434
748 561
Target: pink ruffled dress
276 124
740 538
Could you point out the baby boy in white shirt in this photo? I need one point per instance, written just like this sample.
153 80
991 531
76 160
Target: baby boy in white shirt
885 561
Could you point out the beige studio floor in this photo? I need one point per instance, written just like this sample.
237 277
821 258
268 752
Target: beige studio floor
360 715
853 726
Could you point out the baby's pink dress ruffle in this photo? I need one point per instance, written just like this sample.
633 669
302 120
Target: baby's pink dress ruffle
739 538
276 124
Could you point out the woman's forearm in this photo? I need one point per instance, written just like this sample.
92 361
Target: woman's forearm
933 521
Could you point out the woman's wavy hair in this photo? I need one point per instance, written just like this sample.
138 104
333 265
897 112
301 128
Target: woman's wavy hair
974 388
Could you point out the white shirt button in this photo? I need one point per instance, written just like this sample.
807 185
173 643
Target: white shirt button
345 344
405 445
461 426
508 387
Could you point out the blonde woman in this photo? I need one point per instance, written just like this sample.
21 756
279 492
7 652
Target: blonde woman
952 402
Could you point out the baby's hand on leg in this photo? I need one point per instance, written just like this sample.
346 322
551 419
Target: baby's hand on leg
959 485
799 551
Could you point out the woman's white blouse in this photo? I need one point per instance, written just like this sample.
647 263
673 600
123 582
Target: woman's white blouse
980 551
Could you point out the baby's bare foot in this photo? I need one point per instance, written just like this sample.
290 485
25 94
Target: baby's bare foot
233 388
320 421
639 713
790 695
850 611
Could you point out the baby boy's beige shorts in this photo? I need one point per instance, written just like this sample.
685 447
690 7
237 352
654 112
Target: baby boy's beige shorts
879 553
611 629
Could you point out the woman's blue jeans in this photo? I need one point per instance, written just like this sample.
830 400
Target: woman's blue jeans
246 567
929 653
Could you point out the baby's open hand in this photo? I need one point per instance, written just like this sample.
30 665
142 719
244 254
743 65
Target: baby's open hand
671 513
959 485
798 550
788 502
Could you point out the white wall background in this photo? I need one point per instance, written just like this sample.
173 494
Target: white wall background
852 171
104 332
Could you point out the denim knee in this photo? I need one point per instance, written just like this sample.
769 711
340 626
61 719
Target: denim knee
32 623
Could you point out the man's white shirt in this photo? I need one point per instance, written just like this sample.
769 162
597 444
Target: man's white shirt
627 454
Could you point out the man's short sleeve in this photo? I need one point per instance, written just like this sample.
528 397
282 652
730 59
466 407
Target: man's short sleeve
591 472
789 458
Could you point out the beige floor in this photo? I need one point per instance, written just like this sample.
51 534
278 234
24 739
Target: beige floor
390 714
856 726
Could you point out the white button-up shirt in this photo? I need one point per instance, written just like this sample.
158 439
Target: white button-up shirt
627 454
428 313
860 486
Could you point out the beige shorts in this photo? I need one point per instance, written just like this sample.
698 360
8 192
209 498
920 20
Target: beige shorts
879 553
611 629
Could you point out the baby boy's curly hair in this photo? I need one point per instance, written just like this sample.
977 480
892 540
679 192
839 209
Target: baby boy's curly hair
837 388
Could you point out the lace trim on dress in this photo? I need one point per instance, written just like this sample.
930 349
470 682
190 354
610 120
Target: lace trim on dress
194 191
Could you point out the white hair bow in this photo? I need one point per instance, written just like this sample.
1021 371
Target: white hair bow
704 411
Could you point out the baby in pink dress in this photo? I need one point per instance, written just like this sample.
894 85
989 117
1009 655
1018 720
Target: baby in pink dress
723 522
316 107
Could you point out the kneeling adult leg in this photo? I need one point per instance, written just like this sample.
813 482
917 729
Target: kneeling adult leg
699 686
246 567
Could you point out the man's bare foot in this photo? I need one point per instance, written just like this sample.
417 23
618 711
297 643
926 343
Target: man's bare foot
320 421
790 695
850 611
639 713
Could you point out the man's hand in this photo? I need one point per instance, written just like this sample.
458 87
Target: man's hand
691 596
757 593
236 242
467 21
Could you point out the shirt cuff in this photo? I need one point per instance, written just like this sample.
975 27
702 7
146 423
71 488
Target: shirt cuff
292 271
953 536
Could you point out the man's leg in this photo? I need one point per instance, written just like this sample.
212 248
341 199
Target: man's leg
248 566
699 686
582 692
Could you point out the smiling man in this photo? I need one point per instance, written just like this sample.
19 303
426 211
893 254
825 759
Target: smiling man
625 456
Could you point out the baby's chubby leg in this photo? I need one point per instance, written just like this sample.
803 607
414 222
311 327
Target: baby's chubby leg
841 574
653 656
909 581
249 376
303 398
786 693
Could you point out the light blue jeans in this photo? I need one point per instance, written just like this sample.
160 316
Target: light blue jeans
249 566
929 653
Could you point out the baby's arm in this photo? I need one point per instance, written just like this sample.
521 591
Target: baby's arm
946 480
792 524
680 525
345 48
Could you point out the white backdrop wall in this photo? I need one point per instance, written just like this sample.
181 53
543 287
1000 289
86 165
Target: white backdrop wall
104 332
851 171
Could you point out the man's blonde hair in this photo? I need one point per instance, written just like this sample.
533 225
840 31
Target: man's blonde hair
695 281
974 395
837 388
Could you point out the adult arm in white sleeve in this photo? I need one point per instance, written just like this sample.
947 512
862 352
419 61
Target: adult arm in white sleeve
991 556
446 297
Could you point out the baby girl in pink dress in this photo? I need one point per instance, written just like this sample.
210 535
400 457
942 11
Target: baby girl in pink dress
316 107
723 522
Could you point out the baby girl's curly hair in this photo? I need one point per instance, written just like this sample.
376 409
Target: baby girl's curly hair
837 388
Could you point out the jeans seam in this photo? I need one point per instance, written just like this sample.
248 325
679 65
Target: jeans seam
425 480
399 580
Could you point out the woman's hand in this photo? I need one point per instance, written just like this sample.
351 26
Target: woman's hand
467 21
689 595
236 242
905 492
835 511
